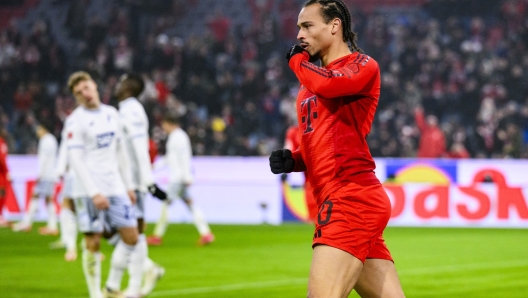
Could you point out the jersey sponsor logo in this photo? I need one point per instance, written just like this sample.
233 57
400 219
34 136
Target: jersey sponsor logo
70 135
105 139
308 113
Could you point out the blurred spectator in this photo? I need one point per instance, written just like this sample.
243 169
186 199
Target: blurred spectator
432 140
465 63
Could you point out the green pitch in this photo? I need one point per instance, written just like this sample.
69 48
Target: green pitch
273 261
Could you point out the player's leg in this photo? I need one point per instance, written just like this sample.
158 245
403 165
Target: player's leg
152 272
333 272
161 225
379 279
127 253
91 262
47 188
68 229
52 225
3 222
90 222
26 223
206 237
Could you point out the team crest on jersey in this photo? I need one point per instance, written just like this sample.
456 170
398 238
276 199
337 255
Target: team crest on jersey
308 114
105 139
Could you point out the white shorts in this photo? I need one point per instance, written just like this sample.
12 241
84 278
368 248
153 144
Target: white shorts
140 204
120 214
67 187
44 188
177 191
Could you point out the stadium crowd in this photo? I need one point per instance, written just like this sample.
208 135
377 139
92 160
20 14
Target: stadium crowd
452 79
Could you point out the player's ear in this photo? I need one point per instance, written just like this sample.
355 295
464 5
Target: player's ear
336 24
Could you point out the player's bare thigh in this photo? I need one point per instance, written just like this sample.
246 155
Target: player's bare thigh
333 273
379 279
129 235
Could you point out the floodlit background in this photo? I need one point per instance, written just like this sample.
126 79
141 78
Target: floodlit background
455 70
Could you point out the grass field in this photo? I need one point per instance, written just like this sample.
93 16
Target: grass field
273 261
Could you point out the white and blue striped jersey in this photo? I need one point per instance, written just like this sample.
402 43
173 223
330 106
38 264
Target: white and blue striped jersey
97 152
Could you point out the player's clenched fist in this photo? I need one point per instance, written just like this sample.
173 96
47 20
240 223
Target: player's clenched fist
281 161
296 49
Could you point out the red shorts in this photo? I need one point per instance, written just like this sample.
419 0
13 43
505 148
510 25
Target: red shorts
353 219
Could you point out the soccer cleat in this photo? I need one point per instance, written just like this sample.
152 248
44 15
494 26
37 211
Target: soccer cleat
70 256
154 240
151 278
109 293
21 227
206 239
57 244
48 232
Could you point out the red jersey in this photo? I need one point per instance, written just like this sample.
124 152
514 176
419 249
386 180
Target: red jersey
3 164
335 108
293 138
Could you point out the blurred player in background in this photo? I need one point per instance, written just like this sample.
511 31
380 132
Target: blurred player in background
292 142
178 157
68 224
105 190
47 154
5 178
136 133
335 107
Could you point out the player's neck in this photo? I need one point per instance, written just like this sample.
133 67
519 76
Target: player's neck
334 53
124 97
92 107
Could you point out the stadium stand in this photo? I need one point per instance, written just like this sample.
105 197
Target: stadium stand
221 65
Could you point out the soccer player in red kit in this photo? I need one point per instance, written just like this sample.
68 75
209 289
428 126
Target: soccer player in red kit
292 142
335 107
4 178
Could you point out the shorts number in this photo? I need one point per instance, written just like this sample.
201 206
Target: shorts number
127 212
329 206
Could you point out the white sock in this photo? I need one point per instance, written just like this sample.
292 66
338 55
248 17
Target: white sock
119 262
199 220
52 216
148 265
30 214
161 225
68 227
135 265
91 263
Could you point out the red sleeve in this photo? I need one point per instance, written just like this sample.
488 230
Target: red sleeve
420 119
3 159
353 78
299 165
153 150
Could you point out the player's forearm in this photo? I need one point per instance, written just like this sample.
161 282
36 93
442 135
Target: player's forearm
298 165
82 173
62 160
143 160
349 80
124 166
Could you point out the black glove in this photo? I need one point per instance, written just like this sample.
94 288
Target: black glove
296 49
157 192
281 161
